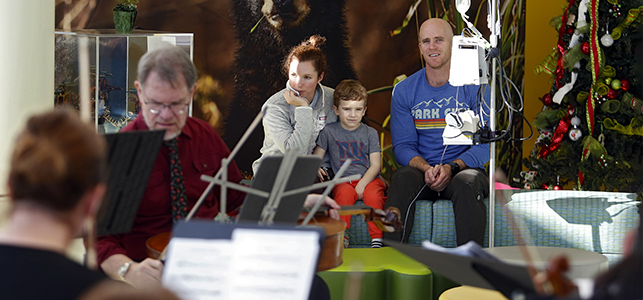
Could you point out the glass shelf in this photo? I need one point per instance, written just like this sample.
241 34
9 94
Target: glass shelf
113 59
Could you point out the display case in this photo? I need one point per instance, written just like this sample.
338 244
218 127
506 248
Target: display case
113 59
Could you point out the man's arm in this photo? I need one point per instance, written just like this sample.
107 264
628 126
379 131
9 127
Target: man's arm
403 133
144 274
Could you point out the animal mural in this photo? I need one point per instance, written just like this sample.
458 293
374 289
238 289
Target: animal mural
280 25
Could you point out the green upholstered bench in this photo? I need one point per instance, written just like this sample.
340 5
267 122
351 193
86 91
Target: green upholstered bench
382 273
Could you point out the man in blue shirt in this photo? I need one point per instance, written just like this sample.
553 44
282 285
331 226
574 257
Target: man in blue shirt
430 169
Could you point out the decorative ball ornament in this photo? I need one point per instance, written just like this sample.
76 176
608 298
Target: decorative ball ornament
575 134
557 186
548 100
608 80
612 94
616 84
603 161
625 84
607 40
584 47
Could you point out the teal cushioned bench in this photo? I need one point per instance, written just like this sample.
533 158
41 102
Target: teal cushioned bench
593 221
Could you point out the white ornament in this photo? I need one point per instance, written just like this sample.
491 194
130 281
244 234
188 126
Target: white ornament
575 134
607 40
575 121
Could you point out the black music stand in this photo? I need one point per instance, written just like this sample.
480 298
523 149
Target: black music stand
473 271
303 174
131 157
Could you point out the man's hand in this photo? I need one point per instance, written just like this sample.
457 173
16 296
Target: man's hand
311 199
146 274
295 100
438 177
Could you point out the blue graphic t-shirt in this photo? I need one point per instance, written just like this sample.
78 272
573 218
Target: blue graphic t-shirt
341 144
417 121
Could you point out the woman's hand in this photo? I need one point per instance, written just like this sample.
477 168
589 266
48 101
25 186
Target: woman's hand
295 100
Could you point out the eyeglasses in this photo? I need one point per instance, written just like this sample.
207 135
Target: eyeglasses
180 107
156 108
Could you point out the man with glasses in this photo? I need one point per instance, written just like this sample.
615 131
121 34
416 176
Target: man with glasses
166 84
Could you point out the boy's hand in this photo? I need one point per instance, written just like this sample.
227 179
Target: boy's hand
359 189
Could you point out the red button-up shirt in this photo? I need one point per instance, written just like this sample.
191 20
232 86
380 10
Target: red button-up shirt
200 152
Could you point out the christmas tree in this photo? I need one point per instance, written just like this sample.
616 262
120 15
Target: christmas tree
591 125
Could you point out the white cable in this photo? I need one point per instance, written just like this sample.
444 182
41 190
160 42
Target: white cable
408 210
406 218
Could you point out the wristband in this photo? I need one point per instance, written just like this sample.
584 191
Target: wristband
123 269
455 168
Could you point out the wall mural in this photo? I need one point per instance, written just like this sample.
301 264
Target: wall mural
239 45
266 31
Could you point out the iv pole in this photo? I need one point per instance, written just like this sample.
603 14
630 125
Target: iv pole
494 26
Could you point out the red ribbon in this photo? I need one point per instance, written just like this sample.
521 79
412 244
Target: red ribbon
559 134
596 63
581 177
560 70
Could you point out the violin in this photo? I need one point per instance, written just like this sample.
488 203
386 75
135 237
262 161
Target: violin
552 280
387 220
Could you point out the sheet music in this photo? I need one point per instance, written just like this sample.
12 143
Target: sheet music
198 268
470 249
253 264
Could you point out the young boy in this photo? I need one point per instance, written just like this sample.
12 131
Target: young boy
349 138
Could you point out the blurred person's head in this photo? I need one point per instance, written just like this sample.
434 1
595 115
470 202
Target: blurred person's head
57 161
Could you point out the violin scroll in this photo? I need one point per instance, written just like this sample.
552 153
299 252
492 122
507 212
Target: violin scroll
552 281
387 220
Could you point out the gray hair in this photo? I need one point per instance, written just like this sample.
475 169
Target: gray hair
167 62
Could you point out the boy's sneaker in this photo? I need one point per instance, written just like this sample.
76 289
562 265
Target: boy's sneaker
345 242
377 243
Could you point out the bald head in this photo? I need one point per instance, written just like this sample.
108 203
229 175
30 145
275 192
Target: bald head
437 25
436 37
